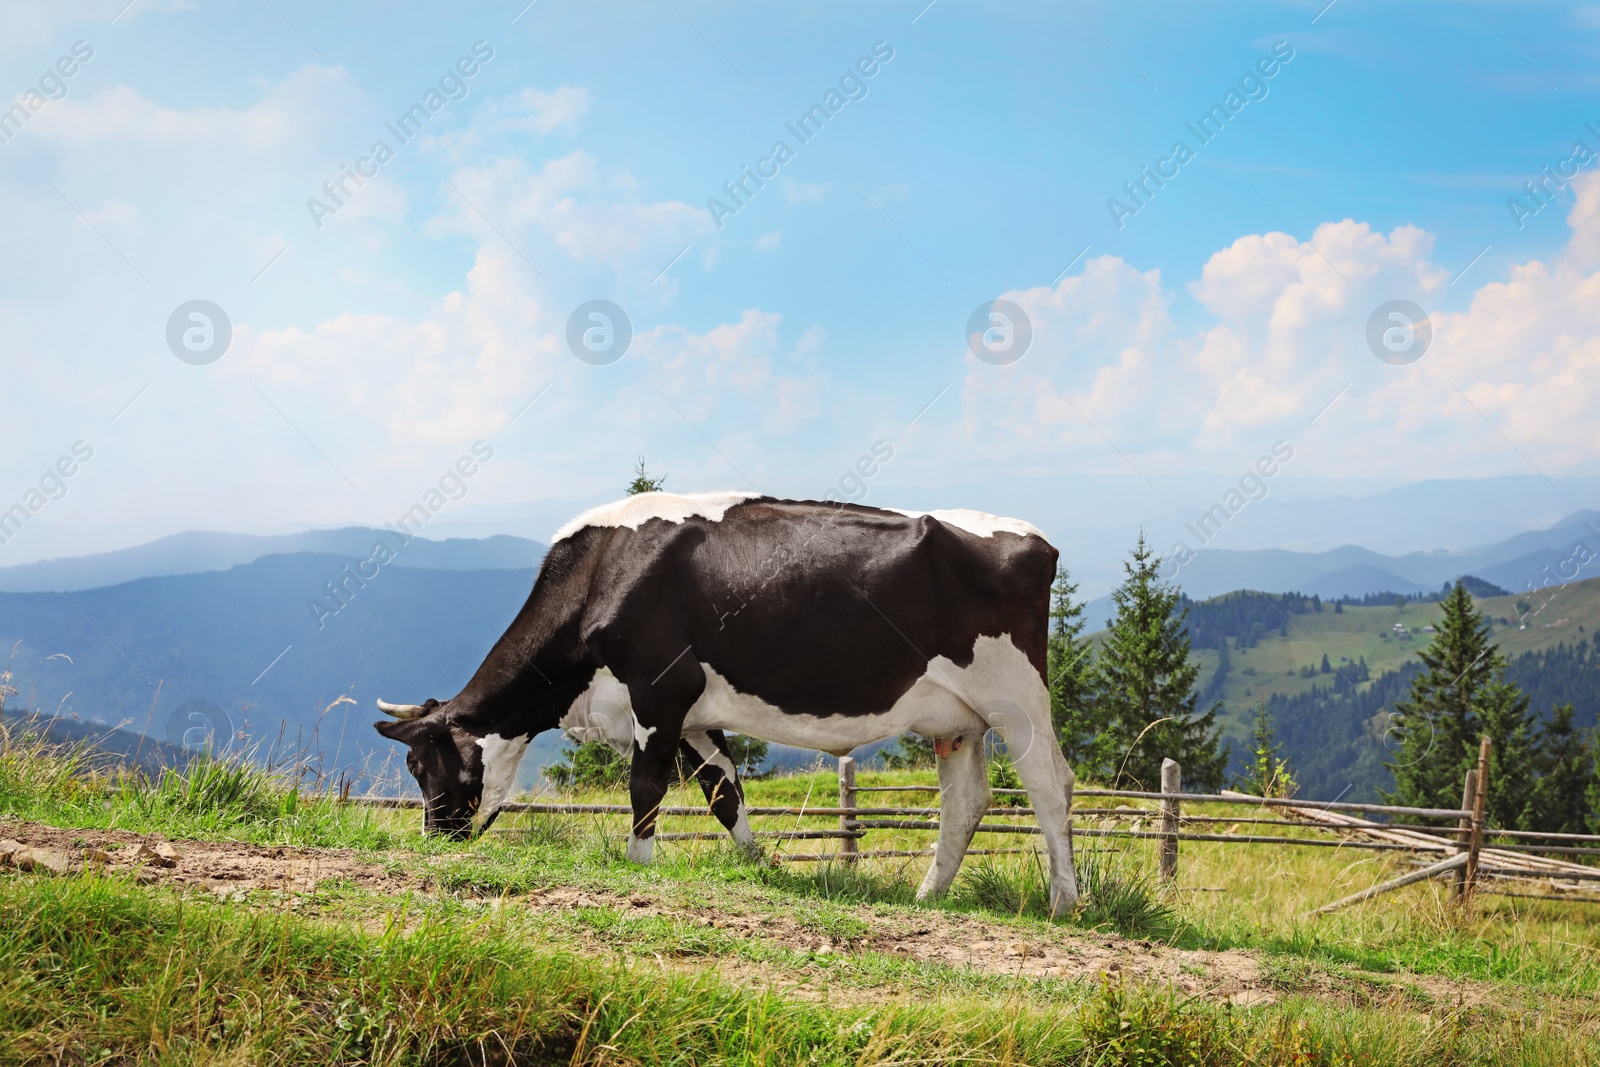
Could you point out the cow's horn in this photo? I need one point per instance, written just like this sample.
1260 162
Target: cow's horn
400 711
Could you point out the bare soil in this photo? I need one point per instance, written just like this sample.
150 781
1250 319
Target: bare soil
230 870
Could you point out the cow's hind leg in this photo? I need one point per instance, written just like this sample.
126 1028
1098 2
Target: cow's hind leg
963 798
1031 744
713 765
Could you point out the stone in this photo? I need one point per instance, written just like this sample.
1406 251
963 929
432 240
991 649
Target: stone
43 860
8 849
166 854
96 856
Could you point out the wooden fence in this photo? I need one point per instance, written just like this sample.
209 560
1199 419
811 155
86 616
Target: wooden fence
1458 849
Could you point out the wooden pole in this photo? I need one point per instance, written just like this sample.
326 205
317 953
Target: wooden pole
1480 803
1469 791
1171 784
847 801
1453 863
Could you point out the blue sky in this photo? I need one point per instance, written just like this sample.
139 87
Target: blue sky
369 353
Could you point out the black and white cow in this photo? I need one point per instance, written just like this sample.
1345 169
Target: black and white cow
661 620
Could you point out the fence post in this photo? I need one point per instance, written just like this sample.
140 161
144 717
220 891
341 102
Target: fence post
1469 793
1171 784
1480 800
847 800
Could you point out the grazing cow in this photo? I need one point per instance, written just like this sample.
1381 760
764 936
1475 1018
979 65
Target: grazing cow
661 620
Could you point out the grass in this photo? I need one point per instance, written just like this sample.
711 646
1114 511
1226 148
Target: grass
228 797
97 971
119 973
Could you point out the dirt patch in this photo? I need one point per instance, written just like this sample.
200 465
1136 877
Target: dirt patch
961 941
226 868
230 870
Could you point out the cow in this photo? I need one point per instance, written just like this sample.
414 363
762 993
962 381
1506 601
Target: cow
661 620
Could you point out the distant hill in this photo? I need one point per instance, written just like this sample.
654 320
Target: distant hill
195 552
247 640
1278 661
103 747
1518 563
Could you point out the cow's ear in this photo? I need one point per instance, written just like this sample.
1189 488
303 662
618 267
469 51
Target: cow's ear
406 731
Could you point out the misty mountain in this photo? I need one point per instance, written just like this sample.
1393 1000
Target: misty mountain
194 552
245 654
1518 563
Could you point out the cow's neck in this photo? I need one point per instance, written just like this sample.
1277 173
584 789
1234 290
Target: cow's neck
538 667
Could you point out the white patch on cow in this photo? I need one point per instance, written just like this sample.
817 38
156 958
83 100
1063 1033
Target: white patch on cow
929 707
640 849
710 754
742 834
501 757
602 712
641 735
634 511
976 522
1000 688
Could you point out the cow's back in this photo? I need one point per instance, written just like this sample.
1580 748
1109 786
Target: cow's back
817 607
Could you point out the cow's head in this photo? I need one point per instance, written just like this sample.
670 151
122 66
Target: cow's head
446 761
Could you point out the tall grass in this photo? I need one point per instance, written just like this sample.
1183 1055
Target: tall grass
95 971
1115 893
230 795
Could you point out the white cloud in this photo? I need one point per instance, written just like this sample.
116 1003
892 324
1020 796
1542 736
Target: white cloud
535 111
1283 331
26 24
803 192
594 218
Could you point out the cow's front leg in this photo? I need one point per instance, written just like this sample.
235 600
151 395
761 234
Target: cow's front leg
653 769
713 765
659 708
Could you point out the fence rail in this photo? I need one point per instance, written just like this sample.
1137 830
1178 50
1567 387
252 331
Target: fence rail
1470 860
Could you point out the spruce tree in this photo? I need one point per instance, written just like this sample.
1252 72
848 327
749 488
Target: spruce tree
1145 684
1513 754
1593 793
1070 673
1269 774
643 483
1452 704
1566 760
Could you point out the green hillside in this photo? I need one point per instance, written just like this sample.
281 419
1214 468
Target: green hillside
1287 660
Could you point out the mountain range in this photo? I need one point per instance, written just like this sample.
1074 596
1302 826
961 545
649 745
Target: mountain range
1567 551
194 552
239 640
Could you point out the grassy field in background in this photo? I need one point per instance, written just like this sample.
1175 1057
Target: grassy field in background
1275 665
457 969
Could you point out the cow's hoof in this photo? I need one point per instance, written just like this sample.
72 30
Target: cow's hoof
752 852
1063 902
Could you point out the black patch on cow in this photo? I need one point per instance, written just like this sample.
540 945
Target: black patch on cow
814 607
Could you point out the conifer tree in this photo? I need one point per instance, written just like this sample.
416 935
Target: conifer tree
1070 673
1269 774
642 482
1145 684
1513 754
1459 698
1560 802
